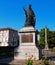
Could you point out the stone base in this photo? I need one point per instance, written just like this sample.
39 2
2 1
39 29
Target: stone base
24 52
27 44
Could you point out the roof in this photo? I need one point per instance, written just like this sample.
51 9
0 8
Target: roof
1 29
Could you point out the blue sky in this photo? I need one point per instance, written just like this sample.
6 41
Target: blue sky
12 14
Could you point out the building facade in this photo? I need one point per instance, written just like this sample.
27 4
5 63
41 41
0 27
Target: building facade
8 37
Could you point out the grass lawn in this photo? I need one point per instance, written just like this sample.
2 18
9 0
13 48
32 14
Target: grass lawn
52 50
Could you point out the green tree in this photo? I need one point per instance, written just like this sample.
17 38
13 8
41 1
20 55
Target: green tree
50 36
42 38
51 39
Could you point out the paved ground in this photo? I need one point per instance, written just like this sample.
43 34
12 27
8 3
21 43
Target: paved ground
10 61
48 54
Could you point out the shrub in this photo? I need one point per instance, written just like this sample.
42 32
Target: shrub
44 61
29 61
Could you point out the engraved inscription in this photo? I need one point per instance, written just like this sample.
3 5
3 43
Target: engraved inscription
27 38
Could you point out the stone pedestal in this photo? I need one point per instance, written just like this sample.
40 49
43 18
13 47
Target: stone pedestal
27 44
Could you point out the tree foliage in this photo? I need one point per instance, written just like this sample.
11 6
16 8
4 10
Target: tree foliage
50 38
42 38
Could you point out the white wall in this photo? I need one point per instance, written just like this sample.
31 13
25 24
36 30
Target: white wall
4 36
8 37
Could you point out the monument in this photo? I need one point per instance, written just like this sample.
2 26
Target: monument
46 43
28 38
46 49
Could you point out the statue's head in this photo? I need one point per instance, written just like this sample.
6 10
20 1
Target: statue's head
29 6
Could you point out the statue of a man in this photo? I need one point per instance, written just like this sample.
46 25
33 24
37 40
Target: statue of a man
30 17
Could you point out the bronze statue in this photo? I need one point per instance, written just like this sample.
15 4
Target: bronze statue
30 17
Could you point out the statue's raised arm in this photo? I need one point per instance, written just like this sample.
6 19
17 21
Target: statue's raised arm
25 11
